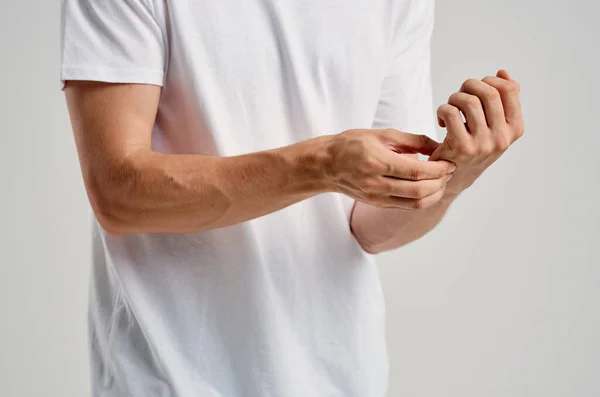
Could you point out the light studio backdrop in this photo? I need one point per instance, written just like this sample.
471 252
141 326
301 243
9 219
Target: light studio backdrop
502 299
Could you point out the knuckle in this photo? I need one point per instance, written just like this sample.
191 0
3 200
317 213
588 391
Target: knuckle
371 164
472 102
509 88
467 150
454 97
419 204
492 95
387 168
416 192
385 187
520 130
455 114
490 80
487 149
442 111
501 144
449 112
470 83
415 174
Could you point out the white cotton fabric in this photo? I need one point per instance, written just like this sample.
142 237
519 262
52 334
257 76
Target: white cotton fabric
287 305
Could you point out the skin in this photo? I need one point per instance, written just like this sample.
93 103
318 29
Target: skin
133 189
494 121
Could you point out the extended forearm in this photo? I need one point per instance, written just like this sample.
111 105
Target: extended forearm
379 230
155 192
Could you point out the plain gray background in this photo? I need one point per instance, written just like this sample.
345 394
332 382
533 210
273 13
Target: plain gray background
503 299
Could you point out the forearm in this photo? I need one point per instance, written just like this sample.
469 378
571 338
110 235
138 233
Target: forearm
381 229
155 192
135 190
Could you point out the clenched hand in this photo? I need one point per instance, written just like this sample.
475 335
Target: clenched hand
494 121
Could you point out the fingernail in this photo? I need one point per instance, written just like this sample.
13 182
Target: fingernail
449 176
452 168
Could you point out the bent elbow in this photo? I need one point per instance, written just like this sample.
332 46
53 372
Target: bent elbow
369 249
109 217
363 243
109 194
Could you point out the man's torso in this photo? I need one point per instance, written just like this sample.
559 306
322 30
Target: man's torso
286 305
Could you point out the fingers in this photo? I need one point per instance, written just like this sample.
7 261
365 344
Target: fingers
450 115
457 137
414 189
403 142
490 102
509 90
408 203
403 167
471 107
493 116
391 187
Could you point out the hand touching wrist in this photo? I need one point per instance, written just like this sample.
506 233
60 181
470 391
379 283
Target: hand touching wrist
368 166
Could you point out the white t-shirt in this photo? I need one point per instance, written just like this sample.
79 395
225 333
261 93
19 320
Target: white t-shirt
287 305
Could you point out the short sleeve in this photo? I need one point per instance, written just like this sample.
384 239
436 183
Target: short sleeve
115 41
406 100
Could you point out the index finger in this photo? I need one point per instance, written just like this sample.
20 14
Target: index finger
412 169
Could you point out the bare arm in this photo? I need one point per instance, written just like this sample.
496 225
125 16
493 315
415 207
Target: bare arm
135 190
384 229
493 122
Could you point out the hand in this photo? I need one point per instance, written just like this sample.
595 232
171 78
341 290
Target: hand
369 166
494 121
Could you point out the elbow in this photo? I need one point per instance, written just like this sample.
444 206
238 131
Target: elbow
109 214
369 249
375 249
110 196
363 242
359 235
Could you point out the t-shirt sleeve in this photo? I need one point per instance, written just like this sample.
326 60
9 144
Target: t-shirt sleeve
115 41
406 101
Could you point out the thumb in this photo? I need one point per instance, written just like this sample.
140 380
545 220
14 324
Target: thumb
403 142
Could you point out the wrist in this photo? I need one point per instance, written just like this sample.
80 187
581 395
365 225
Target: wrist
461 181
309 162
453 190
449 196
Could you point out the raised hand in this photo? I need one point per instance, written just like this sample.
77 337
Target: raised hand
494 121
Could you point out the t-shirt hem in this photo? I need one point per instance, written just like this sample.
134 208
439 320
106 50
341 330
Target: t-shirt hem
110 75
